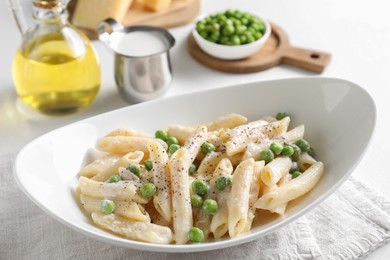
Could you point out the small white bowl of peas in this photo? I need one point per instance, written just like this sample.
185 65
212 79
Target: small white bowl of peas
232 34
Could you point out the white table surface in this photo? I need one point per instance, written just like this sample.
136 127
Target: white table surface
355 32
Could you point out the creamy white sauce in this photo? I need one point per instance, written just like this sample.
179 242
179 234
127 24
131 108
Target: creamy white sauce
140 43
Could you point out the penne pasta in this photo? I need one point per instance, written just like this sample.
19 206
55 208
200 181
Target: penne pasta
254 193
292 189
181 201
123 190
162 200
224 168
143 188
128 209
294 134
124 161
127 132
275 170
226 121
305 161
98 165
140 231
239 197
126 144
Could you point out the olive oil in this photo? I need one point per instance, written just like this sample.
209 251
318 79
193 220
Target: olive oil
55 76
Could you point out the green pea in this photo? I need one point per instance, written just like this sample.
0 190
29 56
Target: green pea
243 39
250 39
227 22
200 187
196 235
134 168
207 147
276 147
287 151
228 30
229 12
148 164
238 14
221 17
236 22
161 134
224 39
171 140
281 115
114 178
297 151
107 206
267 155
192 169
173 148
236 40
215 27
196 201
148 190
261 27
257 35
295 174
303 145
210 206
203 34
200 26
241 29
222 182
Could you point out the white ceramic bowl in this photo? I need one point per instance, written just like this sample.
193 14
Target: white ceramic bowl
227 52
338 115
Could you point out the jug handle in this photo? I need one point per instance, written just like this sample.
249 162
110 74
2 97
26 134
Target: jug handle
106 28
17 13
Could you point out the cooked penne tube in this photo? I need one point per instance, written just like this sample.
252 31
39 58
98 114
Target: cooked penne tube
182 133
127 132
181 201
239 197
224 168
140 231
292 189
208 165
226 121
294 134
219 222
194 142
123 190
253 150
162 200
275 170
126 144
127 209
254 132
254 193
124 161
305 161
98 165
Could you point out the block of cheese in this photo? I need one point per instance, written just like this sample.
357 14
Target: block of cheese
88 13
156 5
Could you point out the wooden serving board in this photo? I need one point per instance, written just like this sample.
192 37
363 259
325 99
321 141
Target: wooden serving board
180 13
277 50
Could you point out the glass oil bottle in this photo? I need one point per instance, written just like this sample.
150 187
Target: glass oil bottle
55 70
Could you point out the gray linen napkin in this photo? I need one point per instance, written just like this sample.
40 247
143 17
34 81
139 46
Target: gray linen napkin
348 225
